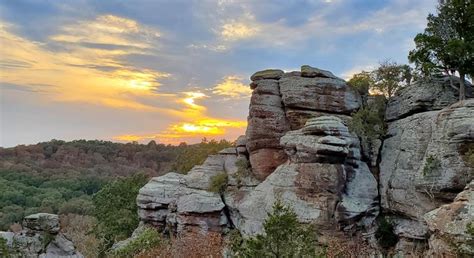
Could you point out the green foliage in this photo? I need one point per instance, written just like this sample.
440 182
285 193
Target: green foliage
390 77
243 170
116 210
369 122
191 155
24 193
4 250
431 164
447 44
284 237
218 183
468 154
470 229
385 235
146 240
362 82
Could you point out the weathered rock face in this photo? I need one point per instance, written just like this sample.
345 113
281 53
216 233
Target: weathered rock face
298 149
41 237
284 101
321 181
420 97
452 226
422 165
180 202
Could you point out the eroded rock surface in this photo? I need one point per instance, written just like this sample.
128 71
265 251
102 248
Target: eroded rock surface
321 181
41 237
284 101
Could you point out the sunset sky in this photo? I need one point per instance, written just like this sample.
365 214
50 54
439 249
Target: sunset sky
175 70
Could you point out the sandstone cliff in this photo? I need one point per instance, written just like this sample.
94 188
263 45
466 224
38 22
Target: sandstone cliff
298 149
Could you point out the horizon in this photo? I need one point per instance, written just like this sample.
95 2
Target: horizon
176 71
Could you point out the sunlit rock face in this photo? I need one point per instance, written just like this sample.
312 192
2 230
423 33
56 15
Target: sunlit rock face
284 101
323 180
423 163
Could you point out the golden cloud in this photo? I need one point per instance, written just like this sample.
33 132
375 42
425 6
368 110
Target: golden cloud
237 30
97 76
232 86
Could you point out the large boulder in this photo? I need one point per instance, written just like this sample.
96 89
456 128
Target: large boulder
421 96
180 202
41 237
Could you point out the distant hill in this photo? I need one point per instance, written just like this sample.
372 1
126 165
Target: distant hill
60 177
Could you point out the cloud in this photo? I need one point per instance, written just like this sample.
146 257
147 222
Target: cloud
232 86
234 30
77 72
197 124
108 30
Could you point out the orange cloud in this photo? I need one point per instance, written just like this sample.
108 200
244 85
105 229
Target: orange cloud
232 86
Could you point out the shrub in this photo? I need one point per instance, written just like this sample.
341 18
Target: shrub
4 252
470 228
284 237
469 155
369 122
243 170
148 239
431 164
385 235
218 183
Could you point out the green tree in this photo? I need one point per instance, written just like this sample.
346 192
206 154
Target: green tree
116 209
284 237
389 77
447 44
362 82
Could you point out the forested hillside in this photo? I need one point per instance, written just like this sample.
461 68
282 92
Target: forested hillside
61 177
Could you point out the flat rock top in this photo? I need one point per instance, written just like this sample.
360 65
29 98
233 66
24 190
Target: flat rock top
267 74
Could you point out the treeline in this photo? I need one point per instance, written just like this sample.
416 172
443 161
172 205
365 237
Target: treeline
61 177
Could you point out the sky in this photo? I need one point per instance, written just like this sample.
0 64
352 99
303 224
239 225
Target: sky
176 70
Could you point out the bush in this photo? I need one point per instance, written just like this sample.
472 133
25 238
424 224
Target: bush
284 237
385 235
148 239
369 122
243 170
218 183
431 164
468 154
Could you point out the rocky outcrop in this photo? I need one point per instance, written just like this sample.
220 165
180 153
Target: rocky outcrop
321 181
176 202
422 96
422 165
452 226
41 237
282 102
298 149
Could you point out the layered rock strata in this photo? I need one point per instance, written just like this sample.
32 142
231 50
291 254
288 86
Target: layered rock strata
41 237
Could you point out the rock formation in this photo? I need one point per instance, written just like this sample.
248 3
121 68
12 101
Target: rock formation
40 237
422 166
298 149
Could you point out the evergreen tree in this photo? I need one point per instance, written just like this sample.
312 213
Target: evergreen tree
284 237
447 44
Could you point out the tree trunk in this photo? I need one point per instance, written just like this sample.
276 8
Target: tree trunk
462 87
